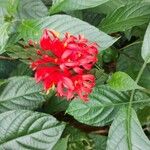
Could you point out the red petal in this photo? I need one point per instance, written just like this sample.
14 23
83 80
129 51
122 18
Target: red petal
66 54
45 41
68 82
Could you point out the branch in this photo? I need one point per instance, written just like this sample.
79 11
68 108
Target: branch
6 58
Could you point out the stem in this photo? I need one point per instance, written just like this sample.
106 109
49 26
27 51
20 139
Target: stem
130 107
140 72
6 58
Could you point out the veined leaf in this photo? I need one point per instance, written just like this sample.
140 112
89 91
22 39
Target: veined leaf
146 45
103 105
66 5
63 24
25 129
122 82
31 9
20 93
118 138
126 17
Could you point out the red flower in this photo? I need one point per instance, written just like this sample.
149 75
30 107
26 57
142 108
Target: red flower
64 63
83 85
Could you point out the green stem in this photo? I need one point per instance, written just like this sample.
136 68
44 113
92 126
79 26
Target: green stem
130 107
140 72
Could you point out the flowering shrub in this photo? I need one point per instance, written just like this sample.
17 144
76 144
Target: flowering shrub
74 74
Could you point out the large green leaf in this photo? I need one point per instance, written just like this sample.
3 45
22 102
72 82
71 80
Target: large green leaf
122 82
29 9
103 105
63 24
66 5
118 138
146 45
126 17
22 130
20 93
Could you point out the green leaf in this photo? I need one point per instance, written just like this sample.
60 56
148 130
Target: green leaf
65 23
118 138
110 6
146 45
122 82
3 36
6 67
20 93
77 139
61 144
18 52
126 17
99 141
22 130
3 12
29 29
56 104
100 76
103 105
130 61
10 6
21 70
66 5
144 115
3 3
2 82
31 9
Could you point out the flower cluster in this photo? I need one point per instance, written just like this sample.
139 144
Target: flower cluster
64 63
